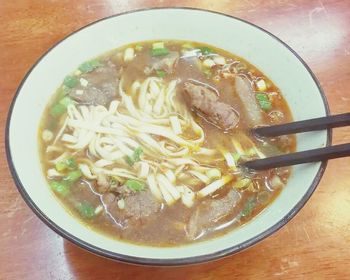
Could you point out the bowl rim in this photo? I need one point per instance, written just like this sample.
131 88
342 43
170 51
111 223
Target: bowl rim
159 261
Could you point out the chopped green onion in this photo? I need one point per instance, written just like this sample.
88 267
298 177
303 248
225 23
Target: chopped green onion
134 185
248 207
63 91
242 183
73 176
137 153
66 90
60 187
135 157
112 180
158 45
68 163
60 166
129 160
236 156
89 66
206 50
70 81
71 163
161 73
207 72
250 152
138 48
213 173
160 52
264 101
57 110
86 210
65 101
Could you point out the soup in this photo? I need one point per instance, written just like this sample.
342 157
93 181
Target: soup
145 143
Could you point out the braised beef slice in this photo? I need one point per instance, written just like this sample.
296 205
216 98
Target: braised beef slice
245 92
102 86
166 63
138 206
210 211
82 191
207 102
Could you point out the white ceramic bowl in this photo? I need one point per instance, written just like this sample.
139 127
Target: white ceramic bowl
285 68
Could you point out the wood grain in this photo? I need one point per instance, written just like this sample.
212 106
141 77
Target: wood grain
314 245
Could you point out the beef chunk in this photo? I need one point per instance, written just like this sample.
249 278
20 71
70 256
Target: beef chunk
138 206
209 212
207 102
101 89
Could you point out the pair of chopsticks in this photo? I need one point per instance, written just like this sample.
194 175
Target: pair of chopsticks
314 155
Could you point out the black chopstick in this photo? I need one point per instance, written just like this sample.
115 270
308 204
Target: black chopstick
314 155
303 126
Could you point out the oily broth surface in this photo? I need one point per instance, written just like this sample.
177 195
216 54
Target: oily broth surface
173 219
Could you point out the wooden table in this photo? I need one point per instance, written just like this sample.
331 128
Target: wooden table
314 245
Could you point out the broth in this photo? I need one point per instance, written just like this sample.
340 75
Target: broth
144 143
